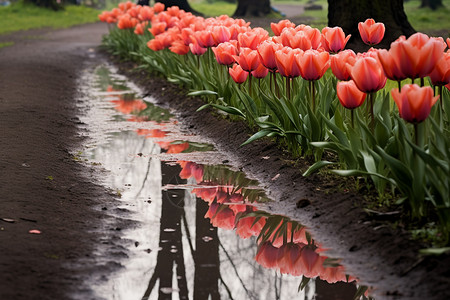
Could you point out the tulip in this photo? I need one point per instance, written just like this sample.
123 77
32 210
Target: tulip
126 22
158 7
224 53
248 59
251 39
313 64
287 63
204 38
441 73
371 33
221 34
448 42
342 63
139 29
267 255
196 49
158 28
146 13
260 71
266 51
238 74
288 257
368 75
349 95
179 47
334 39
390 65
414 102
221 216
417 55
277 28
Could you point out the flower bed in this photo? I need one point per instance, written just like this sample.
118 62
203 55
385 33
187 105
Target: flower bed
284 88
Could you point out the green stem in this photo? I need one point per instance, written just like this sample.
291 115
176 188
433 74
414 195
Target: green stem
352 117
313 94
250 83
422 81
288 88
372 116
399 82
275 81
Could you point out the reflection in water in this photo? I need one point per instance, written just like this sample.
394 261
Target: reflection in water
191 213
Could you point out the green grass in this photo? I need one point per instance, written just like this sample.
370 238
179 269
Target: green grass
214 9
20 16
6 44
427 20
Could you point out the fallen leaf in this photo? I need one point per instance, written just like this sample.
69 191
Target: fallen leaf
276 177
8 220
34 231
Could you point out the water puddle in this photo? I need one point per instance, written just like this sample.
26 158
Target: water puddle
202 233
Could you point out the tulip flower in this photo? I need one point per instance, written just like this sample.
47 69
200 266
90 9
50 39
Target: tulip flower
342 63
417 55
448 42
266 51
334 39
196 49
440 75
204 38
238 74
246 227
414 102
251 39
368 75
371 33
139 29
267 255
313 64
390 65
158 28
349 95
146 13
224 53
248 59
158 7
277 28
286 62
260 71
221 216
221 34
179 47
126 22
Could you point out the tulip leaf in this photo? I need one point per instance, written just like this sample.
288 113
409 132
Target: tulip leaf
435 251
360 292
303 283
202 93
228 109
317 166
256 136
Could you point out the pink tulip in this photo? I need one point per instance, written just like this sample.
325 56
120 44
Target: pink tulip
349 95
313 64
414 102
334 39
440 75
266 51
371 33
368 75
248 59
277 28
238 74
390 65
287 63
342 63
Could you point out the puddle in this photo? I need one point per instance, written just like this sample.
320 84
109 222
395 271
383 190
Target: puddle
200 220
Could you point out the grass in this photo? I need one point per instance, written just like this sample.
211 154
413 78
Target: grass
6 44
20 16
213 9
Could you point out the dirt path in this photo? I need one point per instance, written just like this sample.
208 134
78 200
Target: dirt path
41 186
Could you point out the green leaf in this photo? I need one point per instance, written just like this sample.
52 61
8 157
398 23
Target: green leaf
202 93
359 292
317 166
303 283
228 109
435 251
361 173
256 136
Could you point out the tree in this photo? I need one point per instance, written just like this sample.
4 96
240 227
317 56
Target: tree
348 13
252 8
433 4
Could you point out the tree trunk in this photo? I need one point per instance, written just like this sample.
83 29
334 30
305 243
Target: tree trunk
182 4
252 8
433 4
348 13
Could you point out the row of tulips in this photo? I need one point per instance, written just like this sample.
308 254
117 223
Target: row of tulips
303 88
283 244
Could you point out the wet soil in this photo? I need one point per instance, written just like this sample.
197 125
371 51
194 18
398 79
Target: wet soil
44 187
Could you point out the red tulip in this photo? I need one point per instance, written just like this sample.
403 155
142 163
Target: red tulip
286 62
349 95
334 39
195 48
204 38
441 72
448 42
158 7
289 255
342 63
414 102
224 53
371 33
267 255
368 75
260 71
246 227
179 47
277 28
390 65
126 22
248 59
238 74
251 39
222 218
146 13
139 29
417 55
313 64
158 28
266 51
221 34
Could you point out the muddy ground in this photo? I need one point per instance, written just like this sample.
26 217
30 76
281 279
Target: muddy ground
43 187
